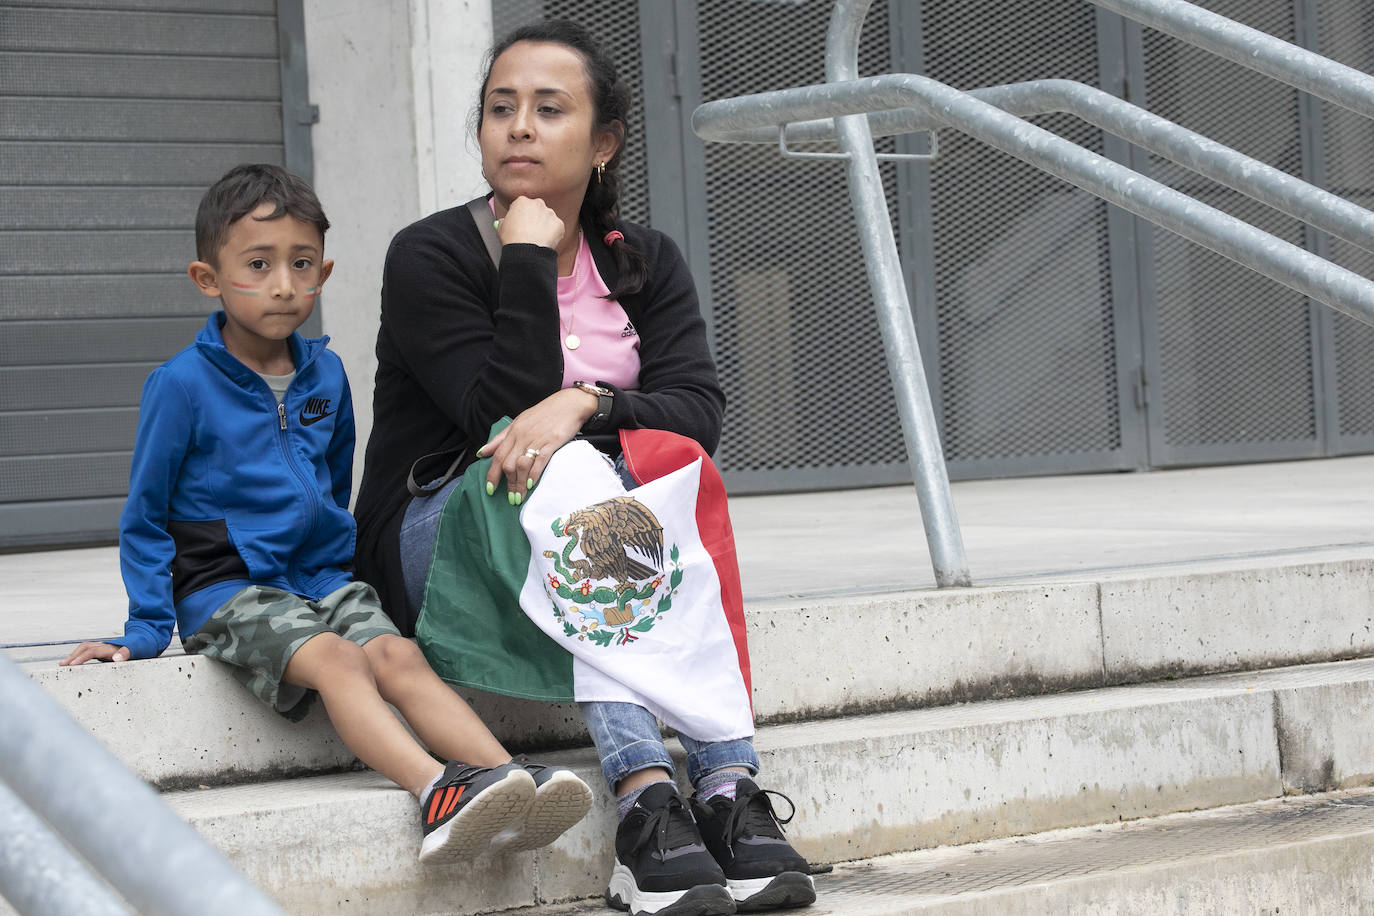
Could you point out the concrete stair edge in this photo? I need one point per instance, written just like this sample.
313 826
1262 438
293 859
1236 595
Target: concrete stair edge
880 652
865 786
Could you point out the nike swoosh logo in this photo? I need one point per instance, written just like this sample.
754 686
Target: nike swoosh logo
311 421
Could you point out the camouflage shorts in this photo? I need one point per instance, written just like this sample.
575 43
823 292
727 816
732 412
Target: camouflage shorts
258 630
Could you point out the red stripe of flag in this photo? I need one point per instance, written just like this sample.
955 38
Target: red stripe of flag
654 453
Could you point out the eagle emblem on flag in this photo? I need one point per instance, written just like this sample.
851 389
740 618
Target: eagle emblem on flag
607 533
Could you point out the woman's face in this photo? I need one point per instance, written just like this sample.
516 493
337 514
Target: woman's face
537 134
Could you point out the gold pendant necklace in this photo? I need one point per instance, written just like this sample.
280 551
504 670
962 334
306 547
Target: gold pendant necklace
571 340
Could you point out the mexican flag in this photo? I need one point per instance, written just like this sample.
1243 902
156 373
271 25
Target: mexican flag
628 594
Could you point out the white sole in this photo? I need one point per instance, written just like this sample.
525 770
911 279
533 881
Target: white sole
558 804
468 833
704 900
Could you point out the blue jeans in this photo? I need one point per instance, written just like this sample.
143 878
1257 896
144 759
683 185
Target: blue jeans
627 739
419 530
625 734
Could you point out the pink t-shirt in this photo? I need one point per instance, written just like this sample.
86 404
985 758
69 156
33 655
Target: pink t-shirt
609 349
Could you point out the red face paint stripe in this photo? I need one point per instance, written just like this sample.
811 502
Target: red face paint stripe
241 285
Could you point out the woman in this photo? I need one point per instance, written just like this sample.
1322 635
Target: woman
590 325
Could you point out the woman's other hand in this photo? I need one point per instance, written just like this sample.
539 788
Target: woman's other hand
521 451
531 221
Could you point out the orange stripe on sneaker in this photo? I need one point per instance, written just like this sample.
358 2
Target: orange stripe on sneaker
453 803
433 807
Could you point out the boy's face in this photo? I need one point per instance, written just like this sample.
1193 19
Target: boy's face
268 276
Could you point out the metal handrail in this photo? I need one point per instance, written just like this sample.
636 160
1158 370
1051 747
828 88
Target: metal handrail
108 815
1254 50
851 102
1224 165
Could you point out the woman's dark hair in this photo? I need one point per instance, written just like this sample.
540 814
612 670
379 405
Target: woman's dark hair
611 98
242 190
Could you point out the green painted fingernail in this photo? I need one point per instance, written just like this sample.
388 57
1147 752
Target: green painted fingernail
519 499
529 483
491 488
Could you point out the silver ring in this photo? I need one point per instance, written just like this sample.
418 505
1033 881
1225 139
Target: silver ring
531 453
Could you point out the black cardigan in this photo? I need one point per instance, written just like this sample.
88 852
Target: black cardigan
461 346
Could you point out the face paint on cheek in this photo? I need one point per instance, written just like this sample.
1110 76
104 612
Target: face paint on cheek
243 289
311 292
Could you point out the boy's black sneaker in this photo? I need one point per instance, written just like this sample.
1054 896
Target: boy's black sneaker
468 806
560 800
661 865
744 835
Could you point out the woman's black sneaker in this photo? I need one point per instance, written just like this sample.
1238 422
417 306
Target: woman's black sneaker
744 835
661 865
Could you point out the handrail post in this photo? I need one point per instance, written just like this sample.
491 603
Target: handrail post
874 226
109 815
39 876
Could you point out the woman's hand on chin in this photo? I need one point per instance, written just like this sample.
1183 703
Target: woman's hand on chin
529 220
521 451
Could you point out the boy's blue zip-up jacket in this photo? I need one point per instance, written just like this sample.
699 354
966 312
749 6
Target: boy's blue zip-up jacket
228 490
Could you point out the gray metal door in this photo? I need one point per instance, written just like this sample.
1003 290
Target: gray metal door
1232 356
1241 368
1342 163
796 331
113 121
1021 279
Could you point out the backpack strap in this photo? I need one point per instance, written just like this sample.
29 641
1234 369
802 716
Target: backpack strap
481 215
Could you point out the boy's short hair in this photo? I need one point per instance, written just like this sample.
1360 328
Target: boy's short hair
241 191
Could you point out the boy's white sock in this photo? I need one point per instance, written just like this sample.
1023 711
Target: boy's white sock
429 785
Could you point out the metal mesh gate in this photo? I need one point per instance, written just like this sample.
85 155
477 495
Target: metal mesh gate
1235 350
1027 346
1345 32
796 330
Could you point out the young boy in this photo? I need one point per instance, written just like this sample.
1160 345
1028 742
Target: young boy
237 531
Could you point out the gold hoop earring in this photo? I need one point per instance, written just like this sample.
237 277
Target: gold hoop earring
600 170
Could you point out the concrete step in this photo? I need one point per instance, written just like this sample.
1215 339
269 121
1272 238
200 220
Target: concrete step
865 653
864 786
1305 855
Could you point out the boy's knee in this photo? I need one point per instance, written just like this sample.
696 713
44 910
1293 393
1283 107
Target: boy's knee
326 657
394 657
393 653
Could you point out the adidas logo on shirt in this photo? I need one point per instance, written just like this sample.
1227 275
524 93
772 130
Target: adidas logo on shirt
629 330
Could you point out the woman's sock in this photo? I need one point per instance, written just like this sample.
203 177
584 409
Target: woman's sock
721 782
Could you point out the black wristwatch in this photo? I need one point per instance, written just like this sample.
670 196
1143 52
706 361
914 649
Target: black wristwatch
605 400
